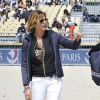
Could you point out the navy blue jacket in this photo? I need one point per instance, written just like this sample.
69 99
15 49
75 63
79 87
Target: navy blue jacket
57 40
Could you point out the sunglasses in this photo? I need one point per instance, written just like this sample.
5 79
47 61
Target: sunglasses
42 20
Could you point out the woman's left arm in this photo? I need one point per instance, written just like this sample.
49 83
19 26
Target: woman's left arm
63 41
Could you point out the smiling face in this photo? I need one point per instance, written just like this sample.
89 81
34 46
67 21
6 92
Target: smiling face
41 23
37 21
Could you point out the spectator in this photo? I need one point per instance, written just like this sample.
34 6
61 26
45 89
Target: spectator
3 16
71 25
26 14
17 14
65 17
85 15
77 7
58 27
21 33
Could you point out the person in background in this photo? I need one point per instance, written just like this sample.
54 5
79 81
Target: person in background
21 32
71 25
65 16
58 27
68 22
41 64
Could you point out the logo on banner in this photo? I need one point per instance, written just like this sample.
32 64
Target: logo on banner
87 58
12 57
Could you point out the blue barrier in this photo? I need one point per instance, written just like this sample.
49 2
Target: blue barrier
74 57
68 57
10 56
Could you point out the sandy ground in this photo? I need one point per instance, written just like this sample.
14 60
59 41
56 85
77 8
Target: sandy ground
77 84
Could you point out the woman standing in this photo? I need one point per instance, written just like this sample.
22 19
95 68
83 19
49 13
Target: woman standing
41 59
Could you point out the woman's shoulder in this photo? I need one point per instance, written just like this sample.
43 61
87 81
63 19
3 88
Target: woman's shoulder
51 32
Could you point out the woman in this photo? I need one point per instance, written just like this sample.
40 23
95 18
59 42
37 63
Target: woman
41 59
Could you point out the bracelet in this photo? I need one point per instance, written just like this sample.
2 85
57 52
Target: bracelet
25 88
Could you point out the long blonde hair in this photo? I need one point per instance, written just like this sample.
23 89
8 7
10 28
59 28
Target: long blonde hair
34 16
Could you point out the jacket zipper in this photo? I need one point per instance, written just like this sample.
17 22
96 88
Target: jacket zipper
43 61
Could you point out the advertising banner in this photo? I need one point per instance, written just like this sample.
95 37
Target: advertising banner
10 56
68 57
74 57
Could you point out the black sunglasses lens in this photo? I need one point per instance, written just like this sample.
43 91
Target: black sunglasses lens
46 19
42 20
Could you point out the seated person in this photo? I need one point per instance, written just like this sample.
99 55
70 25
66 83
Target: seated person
93 18
77 7
85 15
21 32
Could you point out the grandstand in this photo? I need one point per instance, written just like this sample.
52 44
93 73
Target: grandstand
8 29
91 27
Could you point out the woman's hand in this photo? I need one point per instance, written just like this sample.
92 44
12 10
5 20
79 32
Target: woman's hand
79 36
28 94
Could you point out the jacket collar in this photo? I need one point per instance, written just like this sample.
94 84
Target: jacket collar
29 36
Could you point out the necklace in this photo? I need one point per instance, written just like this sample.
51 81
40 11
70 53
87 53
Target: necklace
39 50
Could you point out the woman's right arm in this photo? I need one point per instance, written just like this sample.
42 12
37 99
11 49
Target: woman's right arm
24 70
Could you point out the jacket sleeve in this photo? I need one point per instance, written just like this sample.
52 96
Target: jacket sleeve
95 48
24 67
63 41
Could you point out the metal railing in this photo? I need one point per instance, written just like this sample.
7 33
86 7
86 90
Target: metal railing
89 40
